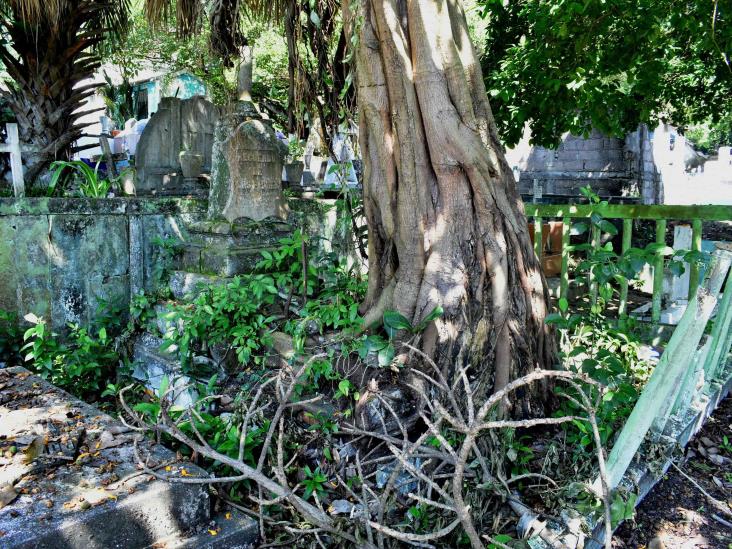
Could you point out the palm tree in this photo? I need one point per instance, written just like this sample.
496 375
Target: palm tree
49 47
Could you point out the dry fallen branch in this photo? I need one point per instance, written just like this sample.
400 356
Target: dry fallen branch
430 468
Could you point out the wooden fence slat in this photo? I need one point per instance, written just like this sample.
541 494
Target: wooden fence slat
658 273
564 280
664 381
662 388
696 244
687 389
721 328
627 238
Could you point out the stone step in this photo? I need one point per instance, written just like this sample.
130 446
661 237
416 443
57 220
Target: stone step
230 529
186 285
78 486
151 364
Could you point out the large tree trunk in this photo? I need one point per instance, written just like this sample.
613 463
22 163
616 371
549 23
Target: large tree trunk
445 218
48 59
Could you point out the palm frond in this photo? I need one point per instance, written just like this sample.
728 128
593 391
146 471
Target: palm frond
33 11
111 17
224 17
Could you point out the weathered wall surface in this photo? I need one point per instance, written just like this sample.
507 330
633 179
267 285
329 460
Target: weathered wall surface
612 167
60 258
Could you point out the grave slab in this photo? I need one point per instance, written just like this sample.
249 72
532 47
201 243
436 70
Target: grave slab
69 479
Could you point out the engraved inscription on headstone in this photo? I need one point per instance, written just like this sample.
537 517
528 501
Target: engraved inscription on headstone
252 168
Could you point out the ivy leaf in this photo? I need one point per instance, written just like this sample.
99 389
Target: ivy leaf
344 387
386 355
394 321
608 227
164 384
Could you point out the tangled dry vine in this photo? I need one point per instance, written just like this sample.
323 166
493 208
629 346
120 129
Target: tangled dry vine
446 465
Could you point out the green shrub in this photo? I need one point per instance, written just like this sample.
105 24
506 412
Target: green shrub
11 338
81 363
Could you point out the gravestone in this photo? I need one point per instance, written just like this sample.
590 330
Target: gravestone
247 172
178 125
247 211
314 165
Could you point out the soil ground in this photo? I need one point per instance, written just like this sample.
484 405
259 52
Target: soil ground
676 514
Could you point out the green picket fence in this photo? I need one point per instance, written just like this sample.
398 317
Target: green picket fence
661 214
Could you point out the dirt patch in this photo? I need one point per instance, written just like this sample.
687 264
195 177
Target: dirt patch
676 513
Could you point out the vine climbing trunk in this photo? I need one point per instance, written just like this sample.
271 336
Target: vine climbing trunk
446 222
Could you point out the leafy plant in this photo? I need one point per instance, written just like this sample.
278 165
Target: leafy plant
11 337
221 432
518 453
393 322
229 313
314 482
726 445
119 99
295 148
81 363
602 269
622 509
166 250
91 184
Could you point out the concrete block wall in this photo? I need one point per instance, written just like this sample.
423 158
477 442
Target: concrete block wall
612 167
578 161
61 257
642 168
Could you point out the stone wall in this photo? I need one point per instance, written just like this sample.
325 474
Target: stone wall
596 160
61 257
612 167
644 169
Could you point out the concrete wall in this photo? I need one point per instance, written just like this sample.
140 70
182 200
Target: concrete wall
60 257
630 167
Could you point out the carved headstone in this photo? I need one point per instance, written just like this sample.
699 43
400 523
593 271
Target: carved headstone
246 178
178 125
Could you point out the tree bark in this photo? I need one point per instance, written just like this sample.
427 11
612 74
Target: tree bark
446 222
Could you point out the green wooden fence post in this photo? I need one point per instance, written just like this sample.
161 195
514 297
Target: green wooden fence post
722 322
627 238
688 388
696 242
564 281
658 272
595 241
537 237
662 385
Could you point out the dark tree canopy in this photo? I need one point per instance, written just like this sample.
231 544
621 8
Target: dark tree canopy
568 65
